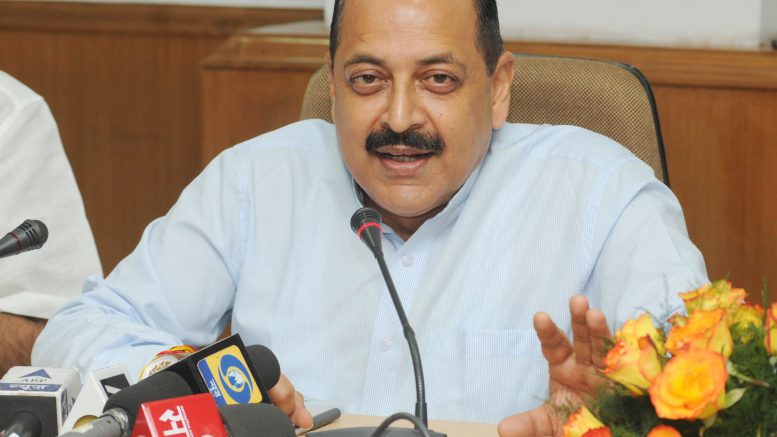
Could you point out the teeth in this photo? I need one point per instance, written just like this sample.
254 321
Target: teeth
403 158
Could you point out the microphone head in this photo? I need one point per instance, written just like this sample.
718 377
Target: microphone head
266 363
27 236
162 385
36 231
366 222
256 420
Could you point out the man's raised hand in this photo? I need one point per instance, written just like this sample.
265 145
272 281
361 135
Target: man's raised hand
572 367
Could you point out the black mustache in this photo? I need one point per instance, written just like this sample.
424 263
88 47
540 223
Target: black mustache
426 142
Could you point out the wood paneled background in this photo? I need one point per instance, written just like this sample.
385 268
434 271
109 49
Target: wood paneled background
717 109
123 83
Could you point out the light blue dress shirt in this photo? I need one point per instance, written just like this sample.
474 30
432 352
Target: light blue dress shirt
262 238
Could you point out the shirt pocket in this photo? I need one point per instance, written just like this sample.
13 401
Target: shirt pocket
485 373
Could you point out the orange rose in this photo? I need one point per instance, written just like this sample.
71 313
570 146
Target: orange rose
634 367
691 386
706 330
581 422
746 317
664 431
770 339
635 329
710 297
598 432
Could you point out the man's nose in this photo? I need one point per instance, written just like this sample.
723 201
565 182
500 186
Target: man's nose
404 112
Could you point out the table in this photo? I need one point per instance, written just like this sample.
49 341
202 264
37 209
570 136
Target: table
453 429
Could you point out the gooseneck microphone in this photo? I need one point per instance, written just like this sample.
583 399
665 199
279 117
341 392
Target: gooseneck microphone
366 223
29 235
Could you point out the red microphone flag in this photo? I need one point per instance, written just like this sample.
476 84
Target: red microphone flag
186 416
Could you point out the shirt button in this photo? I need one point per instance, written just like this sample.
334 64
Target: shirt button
407 261
385 345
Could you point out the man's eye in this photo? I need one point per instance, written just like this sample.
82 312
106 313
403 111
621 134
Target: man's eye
441 83
364 78
441 78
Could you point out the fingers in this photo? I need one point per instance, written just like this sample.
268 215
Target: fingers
590 330
555 344
581 338
599 334
533 423
291 402
590 335
302 417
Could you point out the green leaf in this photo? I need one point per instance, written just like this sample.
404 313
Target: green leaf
733 396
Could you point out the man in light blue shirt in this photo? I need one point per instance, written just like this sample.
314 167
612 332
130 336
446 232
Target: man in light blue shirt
487 224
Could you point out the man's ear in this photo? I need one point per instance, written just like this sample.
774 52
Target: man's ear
330 80
500 82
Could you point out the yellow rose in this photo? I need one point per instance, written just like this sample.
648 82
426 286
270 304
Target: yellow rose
710 297
633 366
770 339
677 320
581 422
691 386
706 330
664 431
746 317
633 330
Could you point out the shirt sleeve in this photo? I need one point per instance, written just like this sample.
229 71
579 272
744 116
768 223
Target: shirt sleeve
38 183
645 256
177 286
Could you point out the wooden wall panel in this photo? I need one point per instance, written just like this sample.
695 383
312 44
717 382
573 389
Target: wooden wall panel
717 108
276 93
722 157
123 84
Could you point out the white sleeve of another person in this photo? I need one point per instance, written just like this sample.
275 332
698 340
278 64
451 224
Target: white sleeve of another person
38 183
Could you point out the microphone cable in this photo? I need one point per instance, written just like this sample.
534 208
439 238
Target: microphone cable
419 425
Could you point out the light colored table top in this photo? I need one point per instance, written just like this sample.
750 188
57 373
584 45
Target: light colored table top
453 429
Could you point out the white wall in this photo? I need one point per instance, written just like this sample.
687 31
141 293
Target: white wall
685 23
769 22
705 23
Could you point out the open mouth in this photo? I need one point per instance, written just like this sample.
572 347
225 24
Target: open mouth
404 157
403 153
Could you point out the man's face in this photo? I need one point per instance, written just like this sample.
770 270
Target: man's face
413 102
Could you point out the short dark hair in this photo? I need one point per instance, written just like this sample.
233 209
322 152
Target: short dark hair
489 39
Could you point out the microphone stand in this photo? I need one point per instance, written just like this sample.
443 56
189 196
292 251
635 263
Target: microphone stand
420 404
367 221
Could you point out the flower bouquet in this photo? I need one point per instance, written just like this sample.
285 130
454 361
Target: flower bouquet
712 372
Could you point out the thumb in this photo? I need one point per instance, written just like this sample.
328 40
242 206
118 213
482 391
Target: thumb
538 422
285 397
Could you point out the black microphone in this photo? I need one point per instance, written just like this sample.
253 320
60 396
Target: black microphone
266 364
366 223
224 370
29 235
34 401
198 415
256 420
121 409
